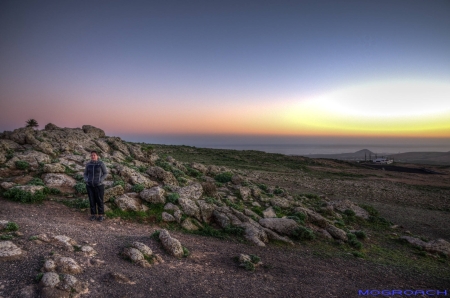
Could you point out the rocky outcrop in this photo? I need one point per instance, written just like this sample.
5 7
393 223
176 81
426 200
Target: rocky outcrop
54 168
9 251
126 203
135 177
193 191
349 205
94 132
59 181
280 225
189 207
113 192
153 195
160 174
206 210
269 213
171 245
199 167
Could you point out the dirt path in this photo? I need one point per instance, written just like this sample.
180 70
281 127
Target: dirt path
208 271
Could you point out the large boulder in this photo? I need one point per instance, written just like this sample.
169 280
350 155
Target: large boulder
153 195
160 174
337 233
280 225
189 207
170 244
54 168
135 177
60 181
9 251
206 210
117 144
269 213
93 131
127 203
193 191
113 192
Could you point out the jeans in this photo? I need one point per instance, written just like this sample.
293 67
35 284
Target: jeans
95 193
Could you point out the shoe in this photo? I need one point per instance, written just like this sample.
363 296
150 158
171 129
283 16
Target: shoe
100 218
93 217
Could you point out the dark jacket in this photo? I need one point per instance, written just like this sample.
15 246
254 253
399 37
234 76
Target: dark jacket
95 172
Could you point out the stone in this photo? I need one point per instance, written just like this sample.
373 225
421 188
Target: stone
193 191
9 251
177 215
3 224
144 249
269 213
113 192
126 203
153 195
280 202
71 284
313 217
88 251
236 179
160 174
336 232
170 244
244 258
49 266
435 246
58 180
167 217
30 188
67 265
117 144
65 242
189 207
34 158
137 153
206 210
245 192
324 234
274 236
93 131
256 192
252 214
280 225
171 207
54 168
133 254
347 204
199 167
213 170
102 145
254 234
135 177
49 279
188 224
120 278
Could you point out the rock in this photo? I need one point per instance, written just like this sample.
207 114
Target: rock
120 278
274 236
49 292
213 170
256 192
51 126
244 258
102 145
280 202
199 167
209 188
93 131
67 265
154 195
313 217
324 234
193 191
189 207
117 144
54 168
45 147
244 192
160 174
252 214
7 185
269 213
30 188
280 225
435 246
49 266
65 242
137 153
171 245
254 234
113 192
133 254
135 177
171 207
71 284
221 219
88 251
336 232
43 238
125 203
49 279
9 251
256 204
3 224
347 204
206 210
144 249
177 215
187 224
34 158
236 179
59 181
167 217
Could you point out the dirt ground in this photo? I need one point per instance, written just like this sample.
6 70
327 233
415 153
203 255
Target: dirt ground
209 271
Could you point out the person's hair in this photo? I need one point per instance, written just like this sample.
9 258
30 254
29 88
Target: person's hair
93 151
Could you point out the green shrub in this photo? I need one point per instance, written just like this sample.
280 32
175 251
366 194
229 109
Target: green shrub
78 203
263 187
302 233
255 259
128 159
193 172
12 226
36 181
51 191
19 195
80 188
351 236
22 165
79 177
249 266
9 154
349 213
278 191
6 237
173 197
142 169
155 235
224 177
371 210
186 252
39 277
163 164
360 235
355 243
138 188
119 182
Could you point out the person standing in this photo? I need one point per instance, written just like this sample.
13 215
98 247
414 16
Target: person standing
94 174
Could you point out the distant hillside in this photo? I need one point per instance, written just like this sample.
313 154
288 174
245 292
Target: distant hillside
431 158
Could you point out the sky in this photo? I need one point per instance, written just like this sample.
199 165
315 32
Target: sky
230 71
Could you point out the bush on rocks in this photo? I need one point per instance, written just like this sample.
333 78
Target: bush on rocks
19 195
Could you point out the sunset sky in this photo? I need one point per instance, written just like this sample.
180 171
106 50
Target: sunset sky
142 70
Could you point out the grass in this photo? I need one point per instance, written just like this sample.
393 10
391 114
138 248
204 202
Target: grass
12 226
19 195
78 203
36 181
224 177
138 188
22 165
80 188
